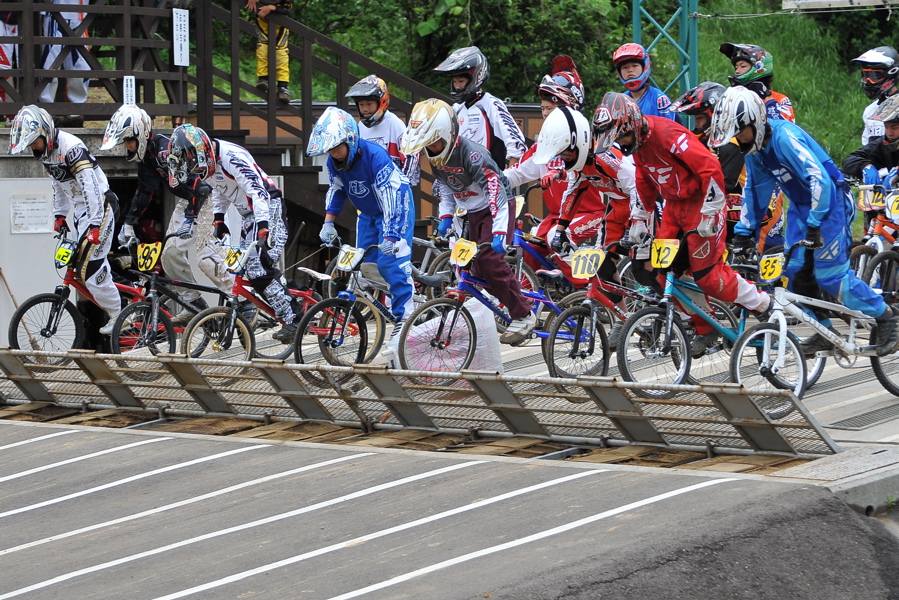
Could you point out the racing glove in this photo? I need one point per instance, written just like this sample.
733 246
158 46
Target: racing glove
559 241
60 223
220 230
499 243
328 233
813 238
551 176
446 224
871 175
638 231
127 236
388 247
93 235
708 226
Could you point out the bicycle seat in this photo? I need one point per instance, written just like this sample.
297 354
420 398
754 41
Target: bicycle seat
551 276
433 281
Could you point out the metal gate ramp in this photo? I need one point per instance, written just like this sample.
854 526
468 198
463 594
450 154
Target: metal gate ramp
589 411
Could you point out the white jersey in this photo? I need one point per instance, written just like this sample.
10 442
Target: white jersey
238 180
388 134
78 182
490 115
873 128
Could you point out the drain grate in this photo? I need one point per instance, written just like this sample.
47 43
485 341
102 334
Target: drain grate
868 419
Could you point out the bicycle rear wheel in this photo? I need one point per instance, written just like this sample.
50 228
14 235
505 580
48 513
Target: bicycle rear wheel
643 357
334 332
882 275
746 366
46 323
439 336
577 345
713 366
136 335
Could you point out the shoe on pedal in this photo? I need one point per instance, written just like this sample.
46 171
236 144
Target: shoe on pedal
814 344
701 343
286 334
888 332
107 329
184 317
614 334
519 329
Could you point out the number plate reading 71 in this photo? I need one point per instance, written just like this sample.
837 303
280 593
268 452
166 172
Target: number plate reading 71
463 252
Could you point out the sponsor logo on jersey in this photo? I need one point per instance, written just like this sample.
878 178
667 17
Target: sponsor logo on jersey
451 169
358 188
476 158
463 195
703 251
100 277
662 102
384 174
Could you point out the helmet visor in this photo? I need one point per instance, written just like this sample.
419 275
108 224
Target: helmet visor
873 76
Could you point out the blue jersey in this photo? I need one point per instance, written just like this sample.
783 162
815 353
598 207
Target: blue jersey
375 186
804 171
654 102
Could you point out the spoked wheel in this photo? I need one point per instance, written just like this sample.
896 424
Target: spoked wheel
886 369
755 352
645 357
882 275
439 336
626 271
713 365
46 323
577 344
333 331
860 258
136 334
210 335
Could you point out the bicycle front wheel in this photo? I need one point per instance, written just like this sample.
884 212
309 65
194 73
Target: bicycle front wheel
645 356
713 365
882 275
332 331
753 355
46 323
211 335
577 345
137 334
439 336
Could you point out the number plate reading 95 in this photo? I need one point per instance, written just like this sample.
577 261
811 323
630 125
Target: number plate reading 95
585 263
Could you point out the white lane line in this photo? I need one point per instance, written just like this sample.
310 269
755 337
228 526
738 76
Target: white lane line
113 484
80 458
181 503
236 528
39 439
525 540
372 536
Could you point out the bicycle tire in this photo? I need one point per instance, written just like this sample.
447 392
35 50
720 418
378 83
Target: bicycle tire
625 271
640 357
568 340
549 316
331 332
713 366
859 259
31 319
131 335
747 354
882 274
207 336
432 325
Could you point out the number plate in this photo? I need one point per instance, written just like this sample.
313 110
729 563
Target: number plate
771 267
64 254
463 252
585 263
348 258
232 258
894 205
148 255
877 201
663 253
460 212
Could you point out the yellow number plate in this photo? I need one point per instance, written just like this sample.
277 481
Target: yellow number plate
663 253
63 255
148 255
460 212
585 263
345 260
463 252
894 205
877 200
232 258
771 266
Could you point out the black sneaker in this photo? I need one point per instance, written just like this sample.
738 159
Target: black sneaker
701 343
262 85
814 344
286 334
614 334
283 94
888 332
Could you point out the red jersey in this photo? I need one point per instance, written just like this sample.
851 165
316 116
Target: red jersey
672 162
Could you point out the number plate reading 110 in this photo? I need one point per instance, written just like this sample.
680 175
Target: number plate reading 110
663 253
463 252
585 263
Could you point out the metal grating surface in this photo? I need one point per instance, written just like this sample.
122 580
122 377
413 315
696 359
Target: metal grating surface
542 407
868 419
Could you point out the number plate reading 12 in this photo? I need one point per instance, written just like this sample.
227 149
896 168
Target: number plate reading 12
585 263
147 255
463 252
771 266
663 253
232 258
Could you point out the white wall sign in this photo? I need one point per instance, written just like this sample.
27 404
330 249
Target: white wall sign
181 37
30 213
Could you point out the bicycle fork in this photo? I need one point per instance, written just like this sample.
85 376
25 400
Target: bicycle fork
62 295
576 351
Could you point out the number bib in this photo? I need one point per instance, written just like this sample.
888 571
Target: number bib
585 263
771 267
64 254
663 253
148 255
463 252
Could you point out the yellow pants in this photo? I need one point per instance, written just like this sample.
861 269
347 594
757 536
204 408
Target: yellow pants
280 51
